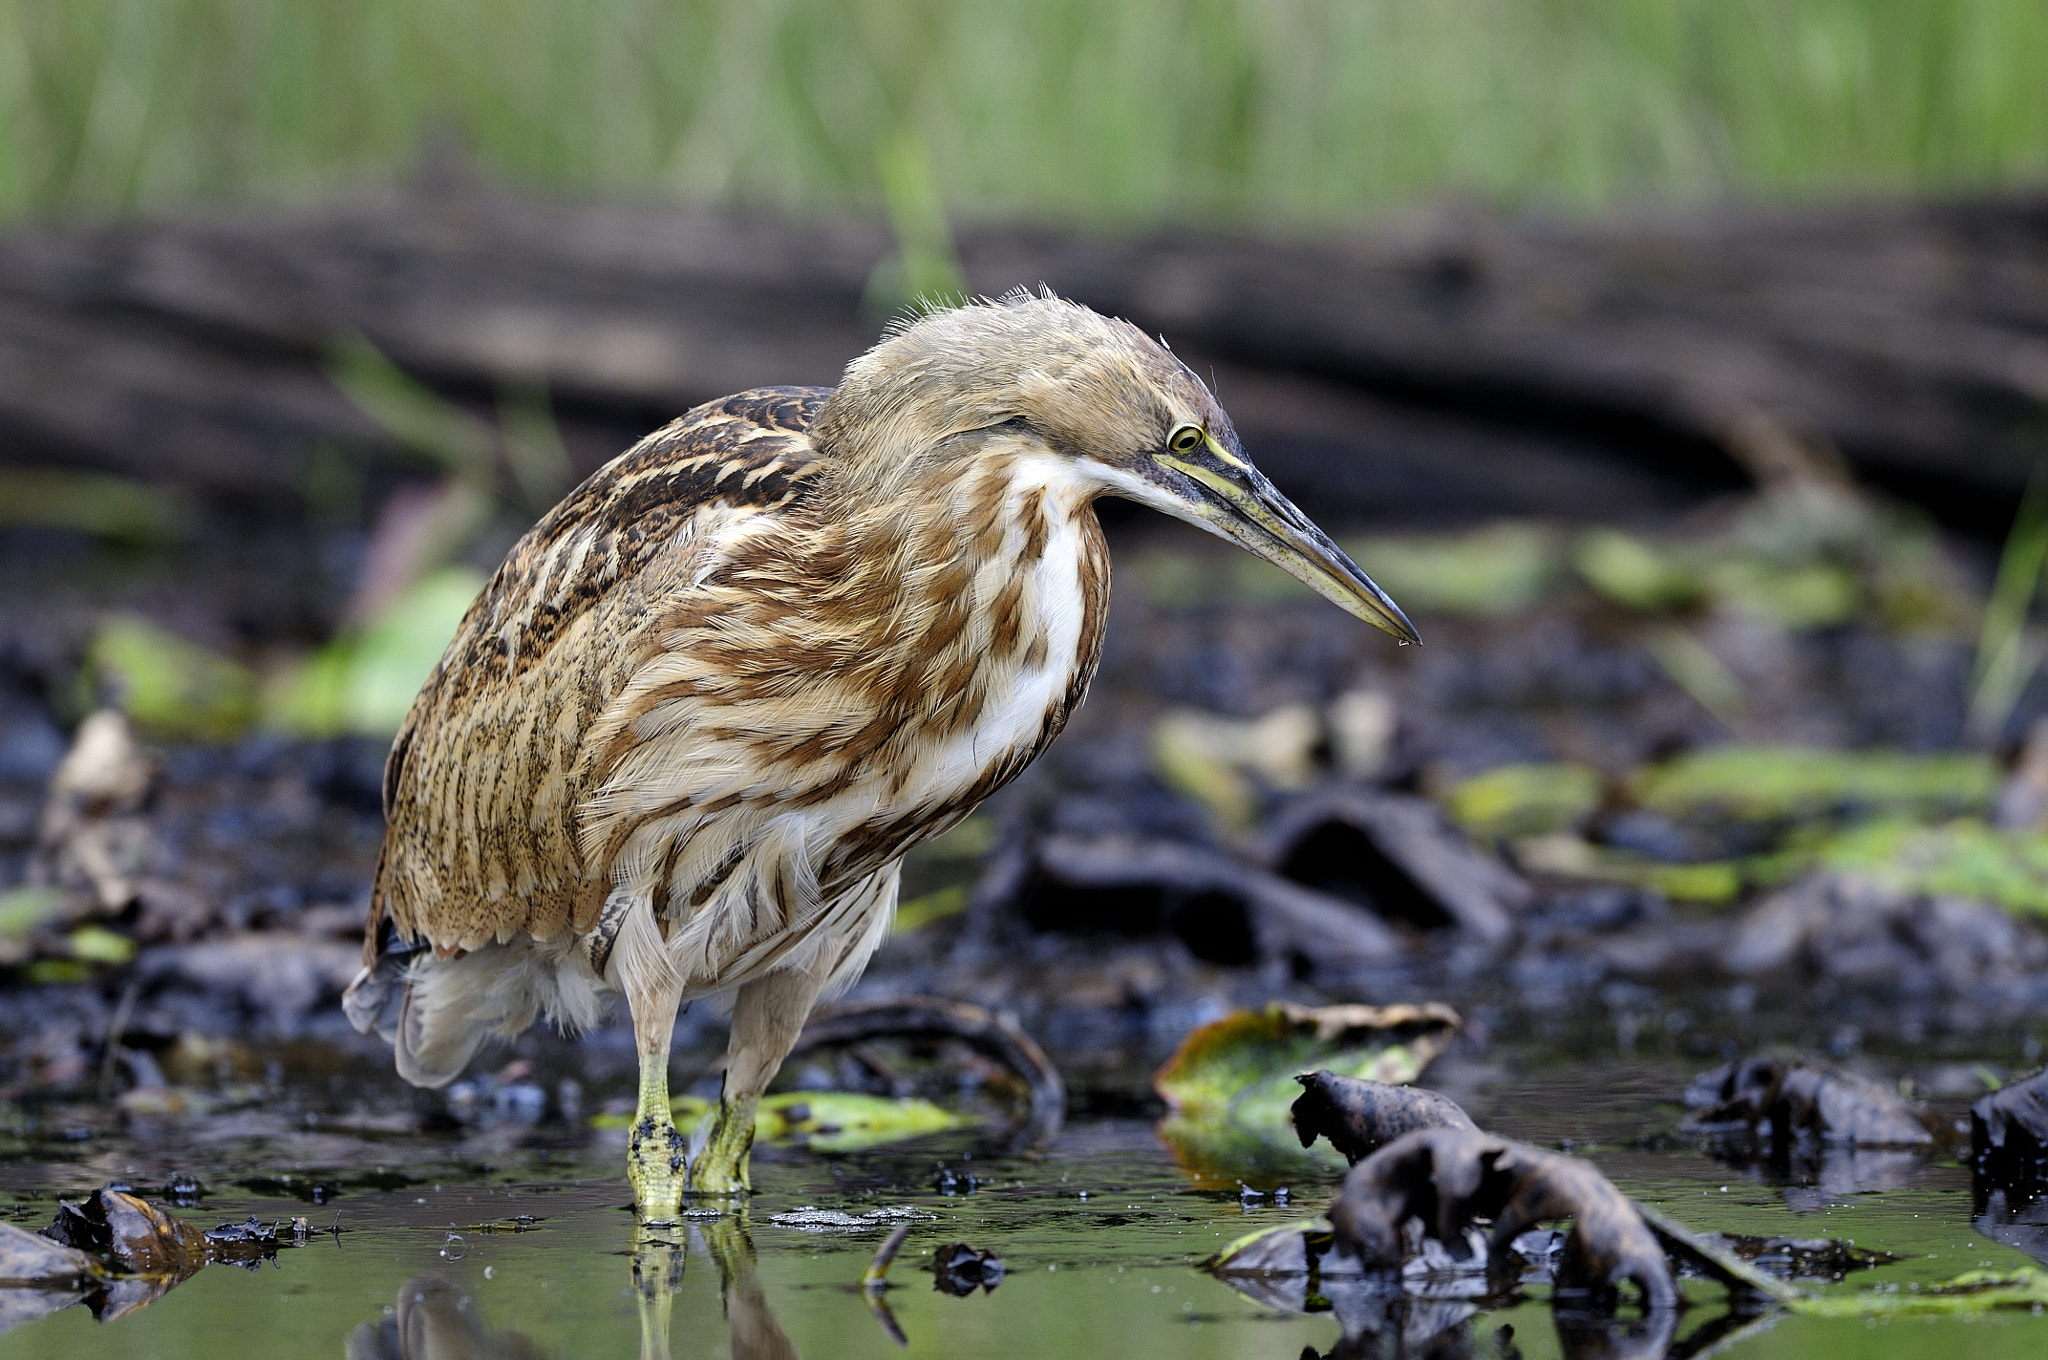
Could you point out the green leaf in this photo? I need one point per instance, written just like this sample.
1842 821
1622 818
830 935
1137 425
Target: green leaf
22 910
832 1121
172 689
97 944
1524 800
365 682
114 508
1629 571
1774 783
1229 1085
1497 570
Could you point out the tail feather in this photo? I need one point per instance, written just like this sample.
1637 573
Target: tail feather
432 1046
449 1006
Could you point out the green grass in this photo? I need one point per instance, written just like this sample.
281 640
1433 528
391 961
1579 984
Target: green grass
1246 111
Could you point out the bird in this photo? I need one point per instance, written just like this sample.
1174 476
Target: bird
684 736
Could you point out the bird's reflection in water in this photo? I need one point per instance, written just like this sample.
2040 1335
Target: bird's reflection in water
437 1319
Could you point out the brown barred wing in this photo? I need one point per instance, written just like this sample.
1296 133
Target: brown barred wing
484 782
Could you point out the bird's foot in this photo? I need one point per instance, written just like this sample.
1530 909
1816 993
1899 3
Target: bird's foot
721 1167
657 1168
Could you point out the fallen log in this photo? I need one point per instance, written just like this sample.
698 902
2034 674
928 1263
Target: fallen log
1461 363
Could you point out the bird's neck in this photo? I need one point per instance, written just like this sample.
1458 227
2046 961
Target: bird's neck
985 575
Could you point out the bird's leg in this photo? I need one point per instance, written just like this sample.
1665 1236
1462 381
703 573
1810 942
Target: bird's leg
767 1017
655 1163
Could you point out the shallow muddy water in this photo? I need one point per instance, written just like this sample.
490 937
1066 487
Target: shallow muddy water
488 1248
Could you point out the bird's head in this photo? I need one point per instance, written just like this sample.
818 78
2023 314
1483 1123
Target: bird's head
1115 410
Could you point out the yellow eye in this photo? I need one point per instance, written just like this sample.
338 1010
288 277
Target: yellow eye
1186 439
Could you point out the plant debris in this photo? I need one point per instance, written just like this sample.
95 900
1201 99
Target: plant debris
131 1235
811 1218
1819 1260
1446 1178
2009 1137
959 1270
1360 1117
1395 856
1780 1101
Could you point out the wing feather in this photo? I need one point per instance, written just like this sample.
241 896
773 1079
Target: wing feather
488 777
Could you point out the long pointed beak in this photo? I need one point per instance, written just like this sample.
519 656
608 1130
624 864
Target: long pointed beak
1251 513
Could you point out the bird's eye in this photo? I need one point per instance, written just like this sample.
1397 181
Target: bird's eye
1186 439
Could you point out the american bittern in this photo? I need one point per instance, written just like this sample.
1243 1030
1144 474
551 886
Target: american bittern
685 735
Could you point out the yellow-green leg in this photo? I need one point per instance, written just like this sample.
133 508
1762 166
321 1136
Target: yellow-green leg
767 1016
655 1161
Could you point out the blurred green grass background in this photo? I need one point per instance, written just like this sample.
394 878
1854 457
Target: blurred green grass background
1108 111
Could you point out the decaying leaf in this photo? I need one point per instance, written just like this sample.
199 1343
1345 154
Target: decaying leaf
1785 1100
1360 1117
1447 1178
1819 1259
133 1236
1231 1084
992 1034
1220 762
111 1251
94 839
959 1270
1396 856
2009 1136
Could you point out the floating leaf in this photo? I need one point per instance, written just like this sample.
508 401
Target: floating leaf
1975 1291
832 1121
1230 1084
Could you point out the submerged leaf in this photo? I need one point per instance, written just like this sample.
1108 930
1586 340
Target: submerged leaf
1231 1084
1975 1291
